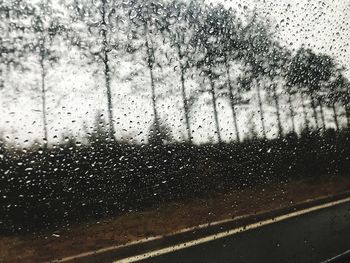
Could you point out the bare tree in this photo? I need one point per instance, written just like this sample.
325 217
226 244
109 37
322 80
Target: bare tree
208 59
309 71
291 92
44 41
264 59
143 31
98 24
178 24
336 89
228 31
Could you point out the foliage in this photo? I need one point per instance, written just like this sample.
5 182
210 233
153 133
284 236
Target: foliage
81 182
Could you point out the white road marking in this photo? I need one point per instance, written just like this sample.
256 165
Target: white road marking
337 257
102 250
230 232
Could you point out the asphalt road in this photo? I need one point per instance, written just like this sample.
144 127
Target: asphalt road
313 237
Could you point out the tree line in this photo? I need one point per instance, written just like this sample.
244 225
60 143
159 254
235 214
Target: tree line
227 55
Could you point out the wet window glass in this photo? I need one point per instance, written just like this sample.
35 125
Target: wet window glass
174 131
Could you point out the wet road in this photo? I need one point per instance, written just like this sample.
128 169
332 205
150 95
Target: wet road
313 237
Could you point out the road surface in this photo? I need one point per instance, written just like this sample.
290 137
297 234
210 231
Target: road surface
317 236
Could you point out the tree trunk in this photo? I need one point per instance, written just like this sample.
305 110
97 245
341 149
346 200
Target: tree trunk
261 111
109 97
347 113
278 114
291 111
335 116
43 100
106 72
232 100
322 116
314 110
153 93
184 99
215 111
306 120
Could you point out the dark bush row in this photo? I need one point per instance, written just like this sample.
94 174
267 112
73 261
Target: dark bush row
43 189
